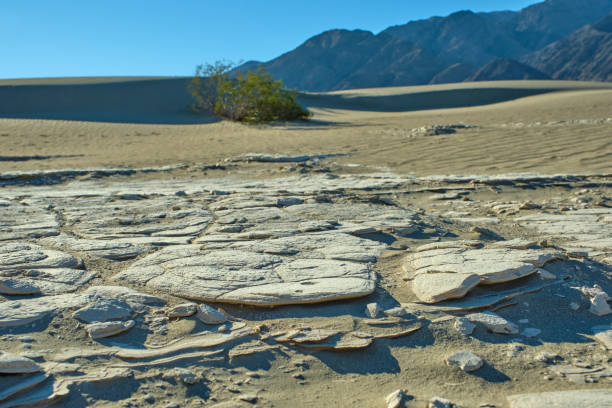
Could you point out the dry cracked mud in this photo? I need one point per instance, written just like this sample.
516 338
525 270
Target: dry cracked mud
325 288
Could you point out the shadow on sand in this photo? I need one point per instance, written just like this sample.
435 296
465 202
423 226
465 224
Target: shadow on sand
167 100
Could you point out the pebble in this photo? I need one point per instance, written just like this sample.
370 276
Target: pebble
599 305
465 360
372 310
396 399
464 326
207 315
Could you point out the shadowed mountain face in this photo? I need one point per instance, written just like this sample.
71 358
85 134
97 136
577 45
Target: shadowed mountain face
585 54
507 69
458 72
445 49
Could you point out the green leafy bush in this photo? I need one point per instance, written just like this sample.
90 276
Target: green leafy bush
254 97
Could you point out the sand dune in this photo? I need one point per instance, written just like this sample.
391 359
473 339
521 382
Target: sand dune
445 96
166 100
518 126
116 99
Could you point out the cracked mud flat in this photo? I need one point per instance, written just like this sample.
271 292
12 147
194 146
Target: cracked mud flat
321 289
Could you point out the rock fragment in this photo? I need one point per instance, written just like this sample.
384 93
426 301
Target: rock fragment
396 399
13 364
450 271
186 376
396 312
436 287
208 315
599 305
517 243
27 383
439 402
464 326
14 287
493 322
29 269
183 310
22 312
108 329
103 310
372 310
465 360
122 293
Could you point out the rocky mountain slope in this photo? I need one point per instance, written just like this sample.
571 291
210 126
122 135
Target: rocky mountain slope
451 48
585 54
340 59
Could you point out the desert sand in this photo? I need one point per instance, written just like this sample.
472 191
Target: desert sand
448 241
527 134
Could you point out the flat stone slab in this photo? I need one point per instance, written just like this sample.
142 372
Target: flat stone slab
14 364
21 312
274 249
247 274
29 269
102 310
21 221
107 249
436 287
122 216
563 399
448 271
587 229
26 311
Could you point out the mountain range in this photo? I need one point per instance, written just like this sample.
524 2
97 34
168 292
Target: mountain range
554 39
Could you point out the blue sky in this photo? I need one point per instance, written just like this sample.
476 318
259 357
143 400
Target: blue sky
44 38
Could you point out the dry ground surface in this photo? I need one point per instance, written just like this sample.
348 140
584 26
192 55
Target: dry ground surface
531 134
167 232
